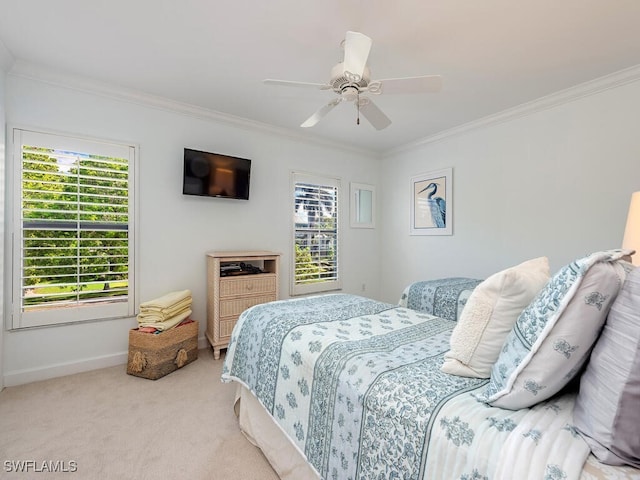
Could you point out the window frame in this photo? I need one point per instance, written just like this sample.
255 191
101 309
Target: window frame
320 286
19 136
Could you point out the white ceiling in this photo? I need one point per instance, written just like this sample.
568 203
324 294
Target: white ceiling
492 54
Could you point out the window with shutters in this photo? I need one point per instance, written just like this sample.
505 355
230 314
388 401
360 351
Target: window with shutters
72 236
316 246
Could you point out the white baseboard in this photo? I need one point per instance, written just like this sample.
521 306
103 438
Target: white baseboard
20 377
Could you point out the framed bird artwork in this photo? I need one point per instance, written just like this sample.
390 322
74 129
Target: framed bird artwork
431 203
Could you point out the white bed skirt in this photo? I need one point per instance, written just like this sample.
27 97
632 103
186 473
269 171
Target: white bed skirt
262 431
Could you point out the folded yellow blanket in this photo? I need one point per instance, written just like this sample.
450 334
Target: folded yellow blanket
167 324
155 316
168 300
168 312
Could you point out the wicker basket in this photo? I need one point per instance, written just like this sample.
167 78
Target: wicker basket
153 356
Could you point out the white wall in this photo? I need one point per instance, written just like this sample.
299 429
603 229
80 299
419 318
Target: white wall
175 231
554 182
5 61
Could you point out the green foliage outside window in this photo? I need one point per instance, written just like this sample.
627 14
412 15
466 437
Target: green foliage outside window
306 269
75 227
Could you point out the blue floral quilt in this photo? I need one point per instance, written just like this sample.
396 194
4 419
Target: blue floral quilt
444 297
355 383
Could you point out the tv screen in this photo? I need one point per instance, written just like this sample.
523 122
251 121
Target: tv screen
214 175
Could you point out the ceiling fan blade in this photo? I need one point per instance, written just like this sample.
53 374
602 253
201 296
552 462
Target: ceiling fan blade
424 84
373 114
322 111
356 53
287 83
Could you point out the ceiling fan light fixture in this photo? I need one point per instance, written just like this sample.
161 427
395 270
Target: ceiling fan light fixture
350 94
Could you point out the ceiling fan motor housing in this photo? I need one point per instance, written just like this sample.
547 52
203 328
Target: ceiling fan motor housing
341 79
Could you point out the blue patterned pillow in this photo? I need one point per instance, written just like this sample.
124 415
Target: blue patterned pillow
553 336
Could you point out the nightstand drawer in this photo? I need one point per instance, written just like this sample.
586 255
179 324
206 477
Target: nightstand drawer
249 285
235 306
226 326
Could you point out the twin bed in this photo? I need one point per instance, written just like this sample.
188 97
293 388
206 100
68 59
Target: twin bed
344 387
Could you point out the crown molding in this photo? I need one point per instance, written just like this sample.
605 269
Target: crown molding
42 74
592 87
87 85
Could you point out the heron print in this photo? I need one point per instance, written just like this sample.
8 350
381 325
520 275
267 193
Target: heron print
435 205
431 198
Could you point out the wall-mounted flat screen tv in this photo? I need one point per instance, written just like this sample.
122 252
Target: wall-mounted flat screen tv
215 175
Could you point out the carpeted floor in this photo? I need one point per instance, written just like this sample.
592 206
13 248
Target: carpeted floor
106 424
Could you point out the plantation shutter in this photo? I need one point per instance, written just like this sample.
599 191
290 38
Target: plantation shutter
316 252
73 240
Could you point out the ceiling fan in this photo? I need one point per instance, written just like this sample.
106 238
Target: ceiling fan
352 77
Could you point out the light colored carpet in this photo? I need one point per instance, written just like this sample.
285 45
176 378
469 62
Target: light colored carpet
116 426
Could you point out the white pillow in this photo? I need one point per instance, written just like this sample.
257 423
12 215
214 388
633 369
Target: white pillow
553 336
490 313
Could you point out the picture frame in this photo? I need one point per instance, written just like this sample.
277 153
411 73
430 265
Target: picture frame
432 203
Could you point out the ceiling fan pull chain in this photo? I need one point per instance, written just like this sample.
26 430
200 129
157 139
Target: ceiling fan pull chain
358 107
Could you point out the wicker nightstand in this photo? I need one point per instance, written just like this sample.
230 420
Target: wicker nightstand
232 289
